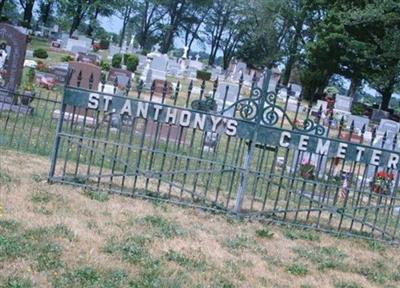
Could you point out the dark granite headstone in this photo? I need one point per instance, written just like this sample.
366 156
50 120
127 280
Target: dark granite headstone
86 76
378 115
12 56
159 88
87 58
166 133
122 75
60 72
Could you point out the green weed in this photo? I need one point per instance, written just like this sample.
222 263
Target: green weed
264 233
163 227
240 242
16 282
184 261
344 284
41 197
297 269
377 272
323 257
96 195
294 234
132 249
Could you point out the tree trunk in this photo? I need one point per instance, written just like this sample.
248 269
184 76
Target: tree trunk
126 19
2 2
355 84
292 54
386 96
46 12
166 44
28 13
90 28
77 18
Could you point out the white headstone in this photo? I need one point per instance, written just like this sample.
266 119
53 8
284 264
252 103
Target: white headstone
343 103
388 126
159 67
359 122
79 49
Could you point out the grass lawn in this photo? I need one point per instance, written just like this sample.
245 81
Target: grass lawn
61 236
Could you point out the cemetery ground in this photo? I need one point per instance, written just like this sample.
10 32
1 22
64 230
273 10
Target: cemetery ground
61 236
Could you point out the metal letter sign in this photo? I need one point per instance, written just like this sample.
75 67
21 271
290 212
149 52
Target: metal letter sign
251 157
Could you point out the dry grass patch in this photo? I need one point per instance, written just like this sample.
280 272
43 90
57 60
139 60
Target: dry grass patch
89 239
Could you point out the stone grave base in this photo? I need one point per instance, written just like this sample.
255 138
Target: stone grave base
90 121
7 106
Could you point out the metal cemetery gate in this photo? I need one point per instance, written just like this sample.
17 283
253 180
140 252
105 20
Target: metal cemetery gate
250 157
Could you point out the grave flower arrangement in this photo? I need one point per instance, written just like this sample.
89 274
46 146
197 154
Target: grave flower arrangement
307 169
383 182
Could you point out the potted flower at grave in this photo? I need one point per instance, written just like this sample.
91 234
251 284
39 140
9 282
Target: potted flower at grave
307 169
383 182
28 87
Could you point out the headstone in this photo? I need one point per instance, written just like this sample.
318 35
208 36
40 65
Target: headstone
122 75
79 49
358 121
174 68
159 68
240 68
196 65
87 58
296 90
142 62
60 71
388 126
159 88
84 47
29 54
378 143
292 105
12 57
225 96
165 132
378 115
343 103
85 75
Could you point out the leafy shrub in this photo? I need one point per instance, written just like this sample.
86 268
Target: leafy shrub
131 61
116 61
203 75
104 43
40 53
67 58
105 66
29 79
357 109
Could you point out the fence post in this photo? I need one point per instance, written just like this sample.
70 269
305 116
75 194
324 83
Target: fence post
54 150
244 175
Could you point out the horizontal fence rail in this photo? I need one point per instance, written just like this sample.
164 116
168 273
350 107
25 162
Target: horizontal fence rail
243 153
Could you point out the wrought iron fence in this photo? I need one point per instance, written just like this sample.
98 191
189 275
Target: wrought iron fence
28 123
256 155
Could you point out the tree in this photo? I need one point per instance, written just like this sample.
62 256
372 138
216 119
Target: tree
377 25
125 19
45 11
146 18
215 25
100 8
27 6
264 35
76 10
193 20
175 11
